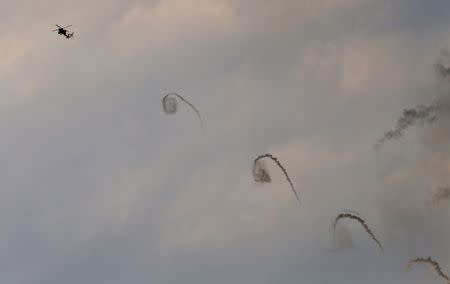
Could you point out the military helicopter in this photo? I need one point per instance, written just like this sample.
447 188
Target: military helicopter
63 31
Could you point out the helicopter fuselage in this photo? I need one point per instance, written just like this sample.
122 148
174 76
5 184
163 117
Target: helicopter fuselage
64 32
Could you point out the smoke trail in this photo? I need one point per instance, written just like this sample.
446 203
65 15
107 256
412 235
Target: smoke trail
170 105
261 174
359 220
441 194
414 116
441 70
433 263
441 65
421 115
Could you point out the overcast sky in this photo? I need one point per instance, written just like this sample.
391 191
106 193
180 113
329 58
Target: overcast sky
99 185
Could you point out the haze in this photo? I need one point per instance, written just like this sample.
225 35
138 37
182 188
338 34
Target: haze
99 185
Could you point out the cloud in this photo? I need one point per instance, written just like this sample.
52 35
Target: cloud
98 184
169 22
14 48
232 212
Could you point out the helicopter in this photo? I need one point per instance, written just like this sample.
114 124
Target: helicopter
63 31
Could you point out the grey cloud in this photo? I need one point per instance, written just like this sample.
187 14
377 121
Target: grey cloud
83 117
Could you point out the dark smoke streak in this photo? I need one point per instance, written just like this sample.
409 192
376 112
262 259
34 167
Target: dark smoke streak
414 116
421 115
433 263
441 194
441 70
440 67
359 220
255 165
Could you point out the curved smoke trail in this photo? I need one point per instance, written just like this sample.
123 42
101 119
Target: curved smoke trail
261 174
170 105
433 263
359 220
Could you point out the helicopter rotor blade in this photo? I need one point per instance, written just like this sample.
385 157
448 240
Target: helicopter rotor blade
67 26
59 26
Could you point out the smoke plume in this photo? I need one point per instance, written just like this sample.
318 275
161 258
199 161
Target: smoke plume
441 70
421 115
441 194
442 64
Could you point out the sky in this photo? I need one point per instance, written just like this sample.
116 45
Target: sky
99 185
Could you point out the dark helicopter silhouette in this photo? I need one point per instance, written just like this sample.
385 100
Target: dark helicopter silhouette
63 31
